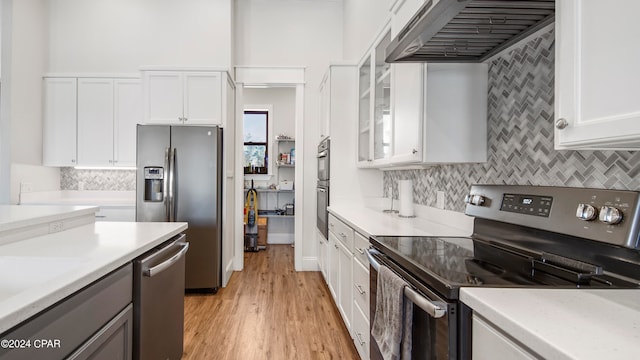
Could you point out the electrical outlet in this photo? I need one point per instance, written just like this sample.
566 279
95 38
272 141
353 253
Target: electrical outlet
440 199
26 187
56 226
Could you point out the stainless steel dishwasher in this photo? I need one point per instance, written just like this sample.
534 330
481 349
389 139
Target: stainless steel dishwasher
158 288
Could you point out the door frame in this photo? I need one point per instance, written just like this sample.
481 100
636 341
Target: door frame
269 77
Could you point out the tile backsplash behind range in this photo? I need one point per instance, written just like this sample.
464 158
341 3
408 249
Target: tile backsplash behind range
520 139
111 180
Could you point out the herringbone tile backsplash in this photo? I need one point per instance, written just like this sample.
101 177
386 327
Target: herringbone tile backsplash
520 139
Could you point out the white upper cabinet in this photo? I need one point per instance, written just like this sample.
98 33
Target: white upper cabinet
402 11
91 121
325 106
127 108
596 75
416 113
183 97
375 123
59 127
95 122
108 111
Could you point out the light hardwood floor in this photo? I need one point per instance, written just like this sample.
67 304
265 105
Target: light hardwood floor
267 311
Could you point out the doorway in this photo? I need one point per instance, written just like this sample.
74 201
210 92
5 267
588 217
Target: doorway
280 92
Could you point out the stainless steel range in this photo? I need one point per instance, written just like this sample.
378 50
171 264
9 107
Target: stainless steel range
523 236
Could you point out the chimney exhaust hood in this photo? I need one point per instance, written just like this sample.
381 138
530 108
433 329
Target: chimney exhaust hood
468 30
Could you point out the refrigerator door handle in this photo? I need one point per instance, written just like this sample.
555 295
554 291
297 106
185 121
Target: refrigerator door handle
165 186
172 185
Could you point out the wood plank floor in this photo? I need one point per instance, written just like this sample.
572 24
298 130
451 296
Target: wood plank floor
267 311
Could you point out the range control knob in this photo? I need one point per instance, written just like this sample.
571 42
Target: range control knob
477 200
586 212
610 215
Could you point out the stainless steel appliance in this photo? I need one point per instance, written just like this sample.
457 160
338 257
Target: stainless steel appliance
523 236
322 189
323 159
158 284
179 178
467 30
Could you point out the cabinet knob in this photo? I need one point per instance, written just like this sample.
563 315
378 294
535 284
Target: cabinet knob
414 151
561 123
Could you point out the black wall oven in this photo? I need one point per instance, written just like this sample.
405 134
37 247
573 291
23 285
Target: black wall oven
323 159
322 190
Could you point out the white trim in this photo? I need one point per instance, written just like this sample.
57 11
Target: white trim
299 179
247 76
94 75
310 263
280 238
269 76
183 68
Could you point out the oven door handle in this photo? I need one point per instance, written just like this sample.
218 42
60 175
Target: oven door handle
434 310
322 154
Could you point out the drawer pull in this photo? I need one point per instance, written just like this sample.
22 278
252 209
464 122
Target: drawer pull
359 288
360 340
343 235
361 251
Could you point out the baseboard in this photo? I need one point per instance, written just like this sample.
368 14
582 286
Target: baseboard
310 263
228 271
280 238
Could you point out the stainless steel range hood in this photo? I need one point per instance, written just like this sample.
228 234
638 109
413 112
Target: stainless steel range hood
468 30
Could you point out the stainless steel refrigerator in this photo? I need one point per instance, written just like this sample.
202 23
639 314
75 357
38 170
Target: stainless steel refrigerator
179 178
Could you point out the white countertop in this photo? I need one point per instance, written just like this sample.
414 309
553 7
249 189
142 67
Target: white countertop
36 273
80 197
13 217
428 221
564 323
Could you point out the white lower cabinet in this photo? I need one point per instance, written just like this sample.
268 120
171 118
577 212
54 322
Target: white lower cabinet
323 245
489 343
333 256
348 279
361 333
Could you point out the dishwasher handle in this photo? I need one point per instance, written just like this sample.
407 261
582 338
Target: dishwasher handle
152 271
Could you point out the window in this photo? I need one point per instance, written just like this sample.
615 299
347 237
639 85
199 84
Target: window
256 125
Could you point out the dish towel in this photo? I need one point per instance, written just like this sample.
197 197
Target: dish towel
393 317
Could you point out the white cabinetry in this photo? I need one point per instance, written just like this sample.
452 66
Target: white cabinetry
361 333
413 114
90 121
351 283
402 11
323 248
59 127
374 118
596 75
184 97
490 343
108 111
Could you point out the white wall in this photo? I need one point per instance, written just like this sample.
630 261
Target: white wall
294 33
24 60
362 21
121 35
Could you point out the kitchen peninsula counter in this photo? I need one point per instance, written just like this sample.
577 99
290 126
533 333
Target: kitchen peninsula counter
40 271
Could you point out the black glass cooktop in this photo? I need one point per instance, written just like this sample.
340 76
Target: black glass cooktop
448 263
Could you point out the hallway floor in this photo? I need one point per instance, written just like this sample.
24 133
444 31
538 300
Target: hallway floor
267 311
